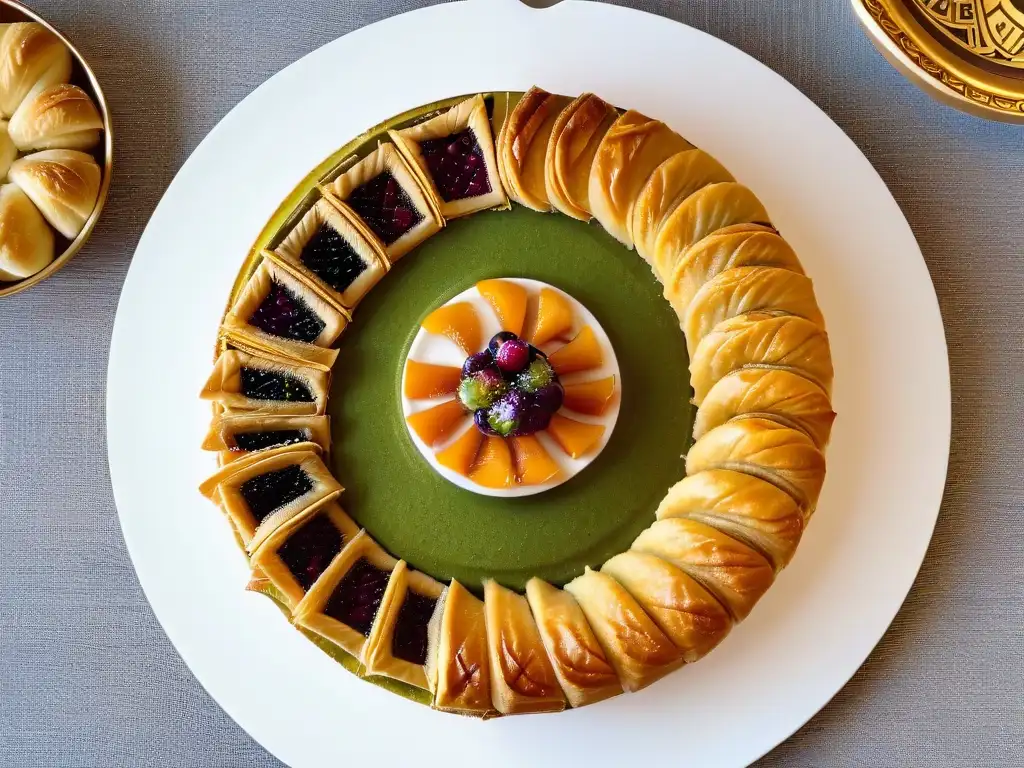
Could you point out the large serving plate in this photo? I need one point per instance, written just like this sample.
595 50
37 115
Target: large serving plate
887 461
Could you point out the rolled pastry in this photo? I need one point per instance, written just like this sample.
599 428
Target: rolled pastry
741 290
453 154
26 240
628 154
745 507
63 183
776 394
636 647
729 569
705 211
32 58
59 117
575 137
266 384
784 457
458 668
522 147
741 245
689 615
669 185
234 435
761 340
580 664
522 678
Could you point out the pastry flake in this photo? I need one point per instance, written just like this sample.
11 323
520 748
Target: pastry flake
453 154
522 147
458 668
265 384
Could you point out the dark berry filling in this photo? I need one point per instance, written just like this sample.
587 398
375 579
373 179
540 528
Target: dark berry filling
258 384
310 549
284 314
272 490
410 639
456 164
358 596
257 441
383 204
330 257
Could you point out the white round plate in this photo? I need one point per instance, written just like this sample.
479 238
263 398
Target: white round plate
887 461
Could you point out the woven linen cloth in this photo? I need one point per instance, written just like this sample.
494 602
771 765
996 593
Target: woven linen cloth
87 676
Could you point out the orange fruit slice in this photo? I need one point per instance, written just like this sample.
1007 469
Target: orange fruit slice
576 438
509 302
554 317
590 397
534 465
493 466
581 354
458 322
423 380
434 424
460 455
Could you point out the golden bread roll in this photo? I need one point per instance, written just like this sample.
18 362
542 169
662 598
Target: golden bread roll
741 290
628 154
457 665
741 245
575 137
32 58
59 117
768 393
8 152
26 240
729 569
686 612
636 647
705 211
671 183
522 678
580 663
523 144
784 457
742 506
761 340
63 183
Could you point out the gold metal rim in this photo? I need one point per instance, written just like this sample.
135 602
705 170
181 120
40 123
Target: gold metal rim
107 163
945 75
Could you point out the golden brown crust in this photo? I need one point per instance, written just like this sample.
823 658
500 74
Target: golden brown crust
31 58
636 647
582 668
26 241
225 384
60 117
575 137
628 154
686 612
522 147
733 572
63 183
522 678
458 666
225 426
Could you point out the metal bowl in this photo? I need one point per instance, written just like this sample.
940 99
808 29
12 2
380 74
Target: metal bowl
966 53
83 76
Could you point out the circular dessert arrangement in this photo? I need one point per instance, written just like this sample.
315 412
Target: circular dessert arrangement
518 405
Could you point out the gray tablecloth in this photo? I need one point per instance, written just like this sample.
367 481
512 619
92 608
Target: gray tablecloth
87 677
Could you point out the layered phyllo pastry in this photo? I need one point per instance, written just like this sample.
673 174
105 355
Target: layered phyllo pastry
266 384
283 315
332 254
385 200
344 603
458 666
522 147
294 556
237 434
453 153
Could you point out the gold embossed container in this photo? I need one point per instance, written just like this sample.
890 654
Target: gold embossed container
83 76
966 53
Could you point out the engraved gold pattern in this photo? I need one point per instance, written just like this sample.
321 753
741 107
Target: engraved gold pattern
993 29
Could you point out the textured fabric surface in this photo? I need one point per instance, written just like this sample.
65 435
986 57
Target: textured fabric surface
88 678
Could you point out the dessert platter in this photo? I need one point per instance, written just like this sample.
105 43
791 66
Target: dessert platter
520 400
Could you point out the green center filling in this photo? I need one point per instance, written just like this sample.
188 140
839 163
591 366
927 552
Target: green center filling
448 532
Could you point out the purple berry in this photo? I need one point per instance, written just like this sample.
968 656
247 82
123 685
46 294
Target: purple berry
549 398
491 378
477 362
480 419
534 419
506 413
513 356
498 339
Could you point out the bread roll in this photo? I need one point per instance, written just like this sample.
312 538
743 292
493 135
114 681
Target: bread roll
784 457
741 290
761 340
64 184
686 612
633 147
574 140
580 664
636 647
779 395
8 152
742 506
26 241
32 58
705 211
60 117
522 147
737 575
